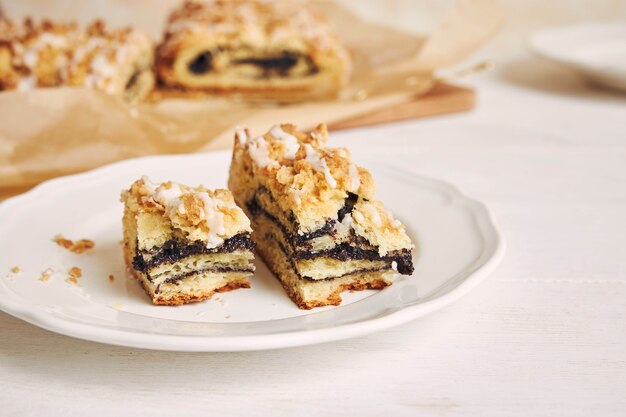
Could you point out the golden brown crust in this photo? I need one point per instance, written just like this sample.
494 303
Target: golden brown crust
47 54
182 298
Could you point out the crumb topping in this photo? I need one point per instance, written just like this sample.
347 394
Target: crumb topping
314 182
79 246
202 214
255 22
52 54
311 179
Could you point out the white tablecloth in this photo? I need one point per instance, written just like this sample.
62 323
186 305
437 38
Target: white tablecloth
545 335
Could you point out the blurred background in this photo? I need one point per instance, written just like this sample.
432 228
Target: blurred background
418 16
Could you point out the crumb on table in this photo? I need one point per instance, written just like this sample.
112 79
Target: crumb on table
71 280
16 270
111 278
79 246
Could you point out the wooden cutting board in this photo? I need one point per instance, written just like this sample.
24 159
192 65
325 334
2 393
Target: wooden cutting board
442 99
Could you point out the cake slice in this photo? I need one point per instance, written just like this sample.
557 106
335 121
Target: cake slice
316 222
276 50
46 54
185 244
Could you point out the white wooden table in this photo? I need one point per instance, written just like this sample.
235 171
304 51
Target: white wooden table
545 335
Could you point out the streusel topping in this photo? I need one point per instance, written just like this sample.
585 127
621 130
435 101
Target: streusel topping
253 20
313 181
202 214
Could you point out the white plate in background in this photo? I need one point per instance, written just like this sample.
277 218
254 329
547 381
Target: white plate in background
458 243
596 50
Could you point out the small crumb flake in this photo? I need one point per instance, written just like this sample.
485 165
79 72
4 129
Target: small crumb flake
45 275
79 246
111 278
16 270
227 317
75 272
71 280
117 306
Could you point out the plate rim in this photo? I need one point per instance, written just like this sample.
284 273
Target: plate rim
256 342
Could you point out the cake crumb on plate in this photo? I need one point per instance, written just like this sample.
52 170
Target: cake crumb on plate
79 246
45 275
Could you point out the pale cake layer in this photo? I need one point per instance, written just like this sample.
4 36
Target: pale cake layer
194 286
239 261
309 294
317 267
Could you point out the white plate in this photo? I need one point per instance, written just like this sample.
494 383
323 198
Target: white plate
457 239
597 50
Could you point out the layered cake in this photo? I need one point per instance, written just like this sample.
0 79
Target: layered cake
185 244
277 50
316 222
117 62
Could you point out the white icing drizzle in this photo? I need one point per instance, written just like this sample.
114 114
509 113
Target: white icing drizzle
103 71
213 218
259 152
358 216
394 266
149 185
47 38
31 54
30 58
342 153
316 136
291 143
296 194
170 198
373 214
241 135
319 164
27 83
355 178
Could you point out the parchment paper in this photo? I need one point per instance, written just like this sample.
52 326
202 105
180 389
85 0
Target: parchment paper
51 132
